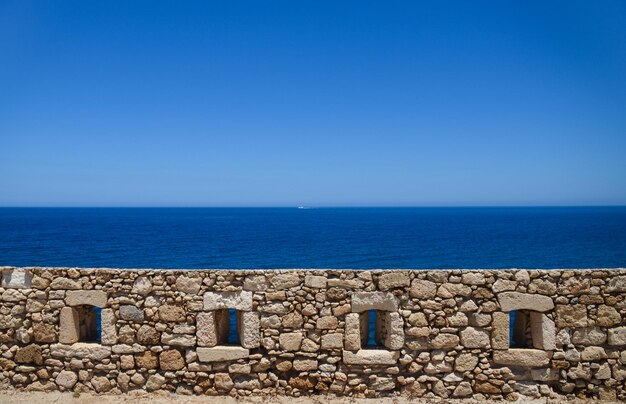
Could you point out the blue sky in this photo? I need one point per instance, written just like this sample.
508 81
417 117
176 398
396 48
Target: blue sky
335 103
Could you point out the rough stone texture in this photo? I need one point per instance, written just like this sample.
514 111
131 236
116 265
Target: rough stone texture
97 298
363 301
524 301
439 334
228 300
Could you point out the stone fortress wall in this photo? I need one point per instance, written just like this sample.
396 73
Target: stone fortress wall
439 333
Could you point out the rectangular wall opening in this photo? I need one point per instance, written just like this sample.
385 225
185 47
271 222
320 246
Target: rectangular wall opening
89 323
519 333
374 328
233 332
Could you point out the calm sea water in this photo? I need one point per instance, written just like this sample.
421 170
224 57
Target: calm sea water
315 238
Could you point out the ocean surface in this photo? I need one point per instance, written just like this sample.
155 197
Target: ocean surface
575 237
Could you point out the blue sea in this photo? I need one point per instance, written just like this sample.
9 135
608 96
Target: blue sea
555 237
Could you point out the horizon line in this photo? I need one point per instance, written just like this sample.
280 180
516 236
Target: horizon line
307 207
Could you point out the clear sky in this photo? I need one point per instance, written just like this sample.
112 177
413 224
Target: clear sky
265 103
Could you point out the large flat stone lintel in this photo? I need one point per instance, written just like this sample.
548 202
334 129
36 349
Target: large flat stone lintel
519 357
228 300
524 301
222 353
371 357
97 298
363 301
80 350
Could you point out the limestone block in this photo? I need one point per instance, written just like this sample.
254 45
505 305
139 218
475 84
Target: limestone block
291 341
65 283
346 283
394 335
530 358
304 365
228 300
285 281
13 295
333 341
108 334
371 357
524 301
589 336
327 323
353 332
500 331
43 332
475 338
315 281
452 290
423 289
571 316
464 389
617 284
18 278
155 382
393 279
172 313
188 285
617 336
180 340
80 350
222 353
29 354
607 316
249 329
363 301
465 362
171 360
257 283
292 320
147 335
473 278
206 329
445 341
66 379
543 331
69 331
97 298
593 353
502 285
142 286
131 313
147 360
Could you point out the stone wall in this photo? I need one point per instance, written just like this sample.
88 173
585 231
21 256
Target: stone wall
441 333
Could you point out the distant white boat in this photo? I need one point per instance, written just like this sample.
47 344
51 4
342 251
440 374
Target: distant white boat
303 207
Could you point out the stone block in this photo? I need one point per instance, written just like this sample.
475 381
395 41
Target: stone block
589 336
353 332
172 313
617 336
131 313
180 340
327 323
257 283
17 278
228 300
69 331
304 365
423 289
97 298
393 280
65 283
142 286
524 301
188 285
249 329
315 281
80 350
528 358
543 331
333 341
393 337
291 341
364 301
371 357
285 281
500 331
171 360
206 329
222 353
108 335
571 316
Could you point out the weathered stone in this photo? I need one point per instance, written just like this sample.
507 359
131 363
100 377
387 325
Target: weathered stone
303 365
589 336
29 354
142 286
147 335
155 382
315 281
206 329
66 379
451 290
617 284
293 320
101 384
524 301
394 336
418 319
257 283
186 341
290 341
327 323
529 358
171 360
44 332
364 301
500 331
131 313
607 316
147 360
188 285
473 278
223 382
464 389
458 319
69 331
285 281
353 332
475 338
571 316
465 362
503 285
249 329
13 295
393 279
617 336
423 289
65 283
543 331
97 298
332 341
17 278
371 357
222 353
108 333
593 353
228 300
444 341
171 313
80 350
